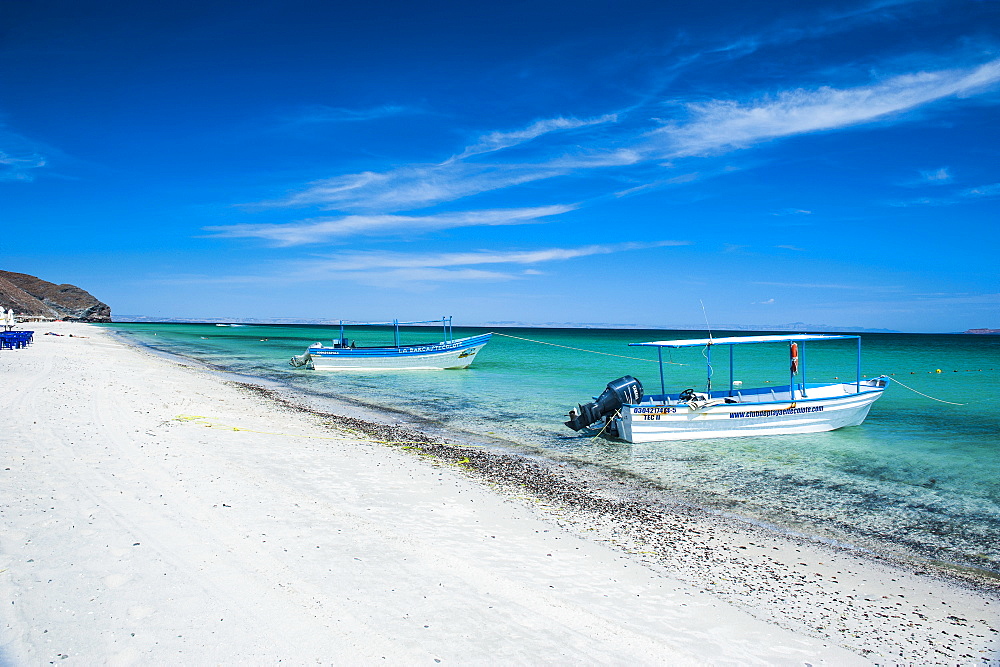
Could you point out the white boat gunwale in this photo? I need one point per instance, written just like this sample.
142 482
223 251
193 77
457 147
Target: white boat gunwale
660 399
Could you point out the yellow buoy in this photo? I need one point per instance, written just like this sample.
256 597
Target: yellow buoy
938 370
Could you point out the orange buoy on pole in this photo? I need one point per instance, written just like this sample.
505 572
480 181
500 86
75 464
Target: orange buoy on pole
794 353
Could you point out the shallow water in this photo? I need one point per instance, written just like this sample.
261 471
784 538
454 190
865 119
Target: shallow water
918 474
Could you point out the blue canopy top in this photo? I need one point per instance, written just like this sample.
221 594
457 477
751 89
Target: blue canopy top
739 340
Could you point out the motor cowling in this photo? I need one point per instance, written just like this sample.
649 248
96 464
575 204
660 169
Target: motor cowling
620 392
300 360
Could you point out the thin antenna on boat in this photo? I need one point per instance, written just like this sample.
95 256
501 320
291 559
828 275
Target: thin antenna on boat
708 349
707 325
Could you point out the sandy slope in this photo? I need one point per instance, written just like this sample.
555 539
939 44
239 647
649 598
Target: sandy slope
133 532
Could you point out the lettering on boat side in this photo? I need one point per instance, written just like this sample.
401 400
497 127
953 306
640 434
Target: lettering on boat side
775 413
395 350
655 410
430 348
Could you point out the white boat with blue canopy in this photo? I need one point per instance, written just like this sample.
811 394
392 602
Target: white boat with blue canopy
624 411
344 354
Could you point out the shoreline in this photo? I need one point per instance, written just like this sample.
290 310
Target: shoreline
915 556
826 602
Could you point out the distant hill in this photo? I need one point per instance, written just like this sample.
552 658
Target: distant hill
33 297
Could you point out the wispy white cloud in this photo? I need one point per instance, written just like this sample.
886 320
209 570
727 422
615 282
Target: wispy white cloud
925 177
965 196
721 125
680 179
596 158
709 127
991 190
377 260
419 185
419 271
319 114
19 167
415 278
937 176
413 186
494 141
319 230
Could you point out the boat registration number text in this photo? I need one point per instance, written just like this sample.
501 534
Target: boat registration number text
655 411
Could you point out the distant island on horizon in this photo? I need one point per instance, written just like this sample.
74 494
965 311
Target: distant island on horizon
791 326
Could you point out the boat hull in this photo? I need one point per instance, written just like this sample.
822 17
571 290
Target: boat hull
438 356
649 422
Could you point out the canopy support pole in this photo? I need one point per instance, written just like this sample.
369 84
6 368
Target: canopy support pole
857 385
802 368
791 375
709 370
663 388
730 370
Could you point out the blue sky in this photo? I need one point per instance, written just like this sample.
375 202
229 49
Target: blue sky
542 162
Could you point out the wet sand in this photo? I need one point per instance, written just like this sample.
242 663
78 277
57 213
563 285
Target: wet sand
156 512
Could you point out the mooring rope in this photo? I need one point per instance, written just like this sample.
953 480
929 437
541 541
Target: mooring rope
607 423
925 395
580 349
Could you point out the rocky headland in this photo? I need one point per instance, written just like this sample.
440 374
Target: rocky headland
32 297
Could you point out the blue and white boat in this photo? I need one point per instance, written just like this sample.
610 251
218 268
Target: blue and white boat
624 411
344 355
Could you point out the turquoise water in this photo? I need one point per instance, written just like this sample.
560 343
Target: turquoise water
918 476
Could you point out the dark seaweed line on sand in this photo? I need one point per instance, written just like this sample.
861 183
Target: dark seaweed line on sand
570 483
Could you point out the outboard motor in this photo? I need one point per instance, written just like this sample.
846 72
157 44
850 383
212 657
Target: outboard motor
300 360
619 392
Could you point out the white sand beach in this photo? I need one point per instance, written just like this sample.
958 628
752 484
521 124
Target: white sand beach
154 513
